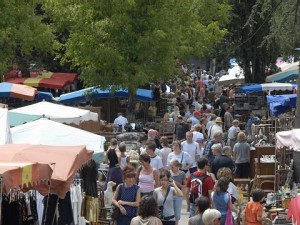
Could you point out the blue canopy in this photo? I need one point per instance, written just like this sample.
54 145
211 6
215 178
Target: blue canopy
268 87
43 95
95 93
278 104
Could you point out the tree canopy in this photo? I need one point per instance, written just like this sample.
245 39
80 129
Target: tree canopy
131 42
22 33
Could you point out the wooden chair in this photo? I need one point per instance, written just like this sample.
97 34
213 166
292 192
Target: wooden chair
104 217
244 182
264 172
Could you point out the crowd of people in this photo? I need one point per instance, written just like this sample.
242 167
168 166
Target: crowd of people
208 151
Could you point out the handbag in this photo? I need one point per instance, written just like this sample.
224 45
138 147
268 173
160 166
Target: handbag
161 208
116 213
229 219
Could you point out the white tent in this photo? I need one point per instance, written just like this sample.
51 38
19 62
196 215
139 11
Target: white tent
58 113
47 132
235 76
5 135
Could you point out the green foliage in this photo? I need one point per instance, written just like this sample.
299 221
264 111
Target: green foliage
22 32
131 42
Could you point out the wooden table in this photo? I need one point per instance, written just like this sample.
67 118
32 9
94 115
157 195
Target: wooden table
267 168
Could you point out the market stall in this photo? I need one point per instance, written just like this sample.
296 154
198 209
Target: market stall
58 113
23 175
65 161
47 132
17 91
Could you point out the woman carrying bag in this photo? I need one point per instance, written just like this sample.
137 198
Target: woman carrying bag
164 197
127 197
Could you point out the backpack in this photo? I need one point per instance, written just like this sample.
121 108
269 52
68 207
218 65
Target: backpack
196 187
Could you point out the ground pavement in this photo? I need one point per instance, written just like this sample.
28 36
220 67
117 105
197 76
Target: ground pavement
184 214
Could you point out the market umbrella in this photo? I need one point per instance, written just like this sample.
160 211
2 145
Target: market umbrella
46 80
65 160
58 113
268 87
289 74
17 91
18 174
47 132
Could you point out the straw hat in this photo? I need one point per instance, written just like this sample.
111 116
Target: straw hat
218 120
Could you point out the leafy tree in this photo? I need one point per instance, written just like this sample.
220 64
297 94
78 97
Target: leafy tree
129 43
22 32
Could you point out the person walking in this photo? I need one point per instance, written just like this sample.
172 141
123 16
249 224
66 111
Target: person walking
147 213
164 196
127 196
148 177
201 204
241 155
221 199
194 181
180 179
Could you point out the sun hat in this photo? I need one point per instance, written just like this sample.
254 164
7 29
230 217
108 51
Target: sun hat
218 120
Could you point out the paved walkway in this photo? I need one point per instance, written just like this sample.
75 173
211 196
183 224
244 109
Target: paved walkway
184 214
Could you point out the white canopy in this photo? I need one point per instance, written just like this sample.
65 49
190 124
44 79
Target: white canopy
5 136
58 113
47 132
289 138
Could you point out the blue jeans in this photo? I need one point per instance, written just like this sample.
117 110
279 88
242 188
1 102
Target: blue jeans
177 207
192 209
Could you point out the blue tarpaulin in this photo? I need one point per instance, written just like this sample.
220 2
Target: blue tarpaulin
278 104
95 93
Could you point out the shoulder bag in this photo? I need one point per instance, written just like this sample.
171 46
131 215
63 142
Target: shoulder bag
229 219
115 214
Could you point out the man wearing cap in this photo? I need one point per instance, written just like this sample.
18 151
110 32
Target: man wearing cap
217 127
180 128
195 118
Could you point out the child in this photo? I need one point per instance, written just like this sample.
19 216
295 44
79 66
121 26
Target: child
123 156
253 213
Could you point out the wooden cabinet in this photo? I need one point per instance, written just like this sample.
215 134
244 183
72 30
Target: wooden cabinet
264 168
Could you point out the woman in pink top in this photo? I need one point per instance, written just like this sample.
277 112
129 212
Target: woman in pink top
148 177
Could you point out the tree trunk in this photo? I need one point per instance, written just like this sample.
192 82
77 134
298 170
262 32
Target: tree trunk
296 155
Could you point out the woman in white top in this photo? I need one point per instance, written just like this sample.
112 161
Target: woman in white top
182 157
165 151
164 197
124 159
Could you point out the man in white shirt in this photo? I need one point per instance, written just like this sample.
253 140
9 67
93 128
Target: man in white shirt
193 149
156 161
215 128
120 121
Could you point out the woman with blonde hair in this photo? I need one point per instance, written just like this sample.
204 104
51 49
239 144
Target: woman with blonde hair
241 156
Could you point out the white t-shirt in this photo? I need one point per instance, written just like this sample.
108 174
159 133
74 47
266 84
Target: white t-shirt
193 149
214 129
120 120
164 153
197 136
157 151
156 162
232 132
184 158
